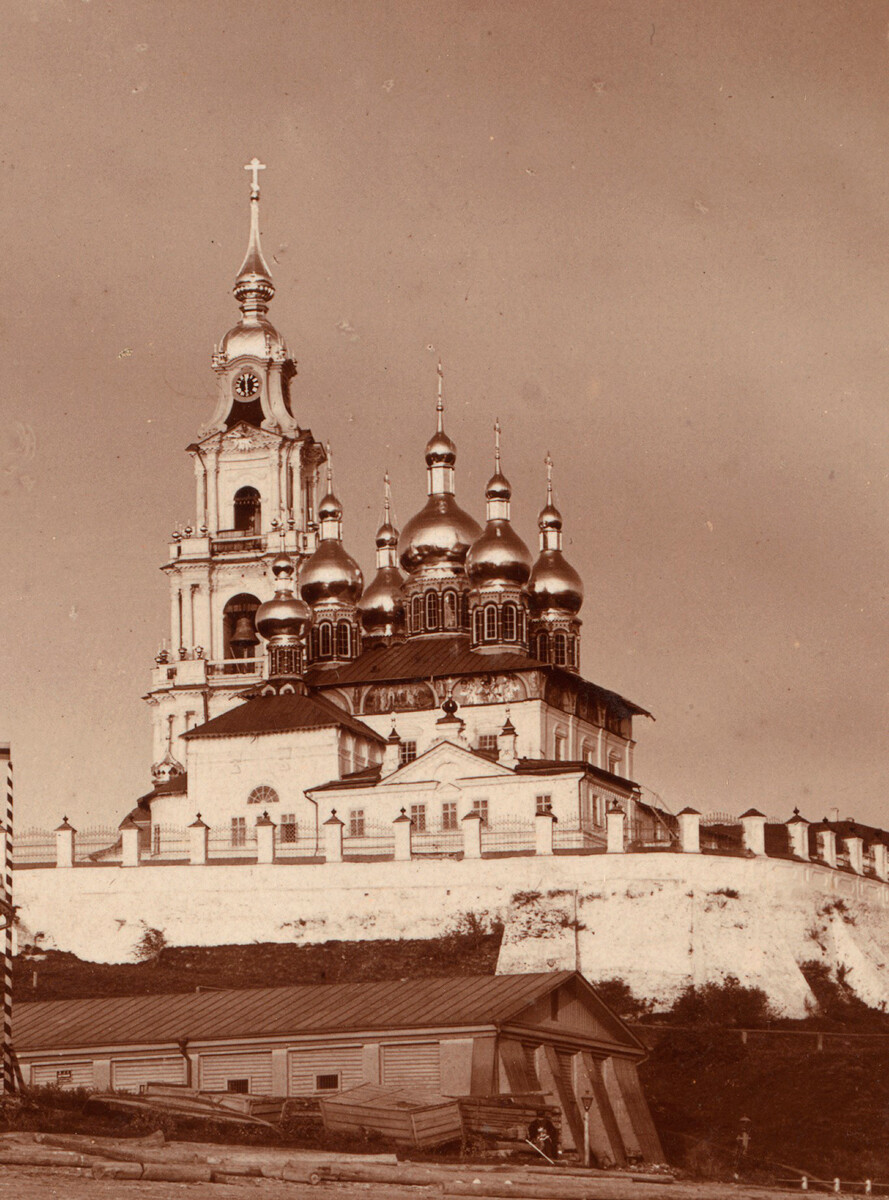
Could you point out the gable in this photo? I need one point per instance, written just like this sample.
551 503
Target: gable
446 763
574 1008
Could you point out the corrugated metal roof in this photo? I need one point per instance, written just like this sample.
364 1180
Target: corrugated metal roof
340 1008
556 766
281 714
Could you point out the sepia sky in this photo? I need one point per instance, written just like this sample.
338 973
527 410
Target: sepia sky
652 238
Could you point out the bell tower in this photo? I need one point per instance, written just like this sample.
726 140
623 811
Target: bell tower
256 472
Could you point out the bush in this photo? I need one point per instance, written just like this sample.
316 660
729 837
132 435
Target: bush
622 1000
729 1003
150 945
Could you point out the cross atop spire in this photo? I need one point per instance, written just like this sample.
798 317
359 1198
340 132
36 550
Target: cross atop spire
329 467
439 404
387 498
255 166
549 477
497 446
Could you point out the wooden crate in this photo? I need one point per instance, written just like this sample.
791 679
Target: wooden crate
408 1116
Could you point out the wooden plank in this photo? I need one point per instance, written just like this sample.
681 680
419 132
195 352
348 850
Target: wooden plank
483 1077
621 1111
567 1099
628 1080
512 1055
605 1137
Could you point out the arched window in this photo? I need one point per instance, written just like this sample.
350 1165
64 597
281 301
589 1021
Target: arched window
248 510
490 623
449 605
417 614
559 649
343 640
543 647
432 610
239 636
263 795
477 618
326 640
509 622
315 644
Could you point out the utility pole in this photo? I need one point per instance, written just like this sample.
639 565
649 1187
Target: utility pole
6 918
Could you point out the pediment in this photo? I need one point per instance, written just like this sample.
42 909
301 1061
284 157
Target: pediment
446 763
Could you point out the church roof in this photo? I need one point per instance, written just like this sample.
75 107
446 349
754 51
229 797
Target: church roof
282 714
285 1011
430 657
561 766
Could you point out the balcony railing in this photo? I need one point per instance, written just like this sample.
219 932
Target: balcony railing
229 541
235 666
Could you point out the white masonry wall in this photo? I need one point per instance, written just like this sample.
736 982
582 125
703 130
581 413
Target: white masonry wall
658 921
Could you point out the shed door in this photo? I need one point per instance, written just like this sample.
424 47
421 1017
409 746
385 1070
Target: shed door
62 1074
322 1069
128 1074
414 1063
227 1072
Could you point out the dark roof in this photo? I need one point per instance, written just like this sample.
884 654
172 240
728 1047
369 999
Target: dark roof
431 657
557 766
283 1011
280 714
354 779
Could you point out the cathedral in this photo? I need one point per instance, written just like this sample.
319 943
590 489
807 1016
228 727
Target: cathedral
292 693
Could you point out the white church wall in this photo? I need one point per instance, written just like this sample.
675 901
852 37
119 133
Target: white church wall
658 921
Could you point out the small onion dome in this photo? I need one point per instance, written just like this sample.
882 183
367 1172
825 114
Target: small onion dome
498 555
330 573
256 338
382 605
441 532
440 450
329 508
498 488
549 518
286 615
387 537
554 584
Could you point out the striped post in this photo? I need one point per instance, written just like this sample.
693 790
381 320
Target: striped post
7 915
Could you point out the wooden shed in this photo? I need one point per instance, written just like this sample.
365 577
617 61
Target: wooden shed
480 1036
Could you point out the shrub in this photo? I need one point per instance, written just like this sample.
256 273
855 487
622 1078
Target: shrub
150 945
729 1003
621 999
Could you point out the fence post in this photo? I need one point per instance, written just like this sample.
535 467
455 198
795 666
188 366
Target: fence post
753 824
472 834
404 830
827 846
198 838
615 824
690 831
391 753
265 839
544 831
798 831
333 838
881 865
129 843
855 850
65 835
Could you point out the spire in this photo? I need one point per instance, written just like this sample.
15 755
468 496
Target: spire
498 492
441 453
387 534
497 446
330 511
439 404
253 287
550 520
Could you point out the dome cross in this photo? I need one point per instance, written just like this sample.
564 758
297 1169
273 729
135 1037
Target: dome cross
255 166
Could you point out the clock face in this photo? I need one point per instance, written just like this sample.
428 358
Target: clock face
246 385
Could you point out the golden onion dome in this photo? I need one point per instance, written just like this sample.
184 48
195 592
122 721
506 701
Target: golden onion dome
440 450
382 605
499 555
550 518
329 508
554 584
387 537
254 339
440 533
285 615
330 574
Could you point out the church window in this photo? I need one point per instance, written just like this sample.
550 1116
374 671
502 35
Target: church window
449 604
407 752
326 640
431 610
481 807
417 614
509 622
544 804
343 640
263 795
239 831
315 644
239 637
559 649
588 753
478 617
248 510
488 742
464 610
289 827
614 764
490 623
418 816
543 647
356 823
449 815
560 747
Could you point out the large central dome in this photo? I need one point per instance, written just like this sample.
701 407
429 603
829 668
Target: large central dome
440 534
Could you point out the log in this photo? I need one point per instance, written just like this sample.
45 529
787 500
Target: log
178 1172
117 1170
28 1156
109 1148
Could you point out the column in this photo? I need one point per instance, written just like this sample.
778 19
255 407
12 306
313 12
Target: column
265 839
544 829
753 823
65 838
615 822
212 491
404 828
690 831
881 860
333 838
472 835
827 846
855 850
798 832
198 839
129 840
